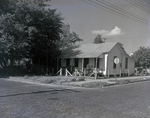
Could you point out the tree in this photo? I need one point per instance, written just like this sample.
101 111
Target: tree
5 6
99 39
33 32
68 38
9 6
3 53
36 27
142 57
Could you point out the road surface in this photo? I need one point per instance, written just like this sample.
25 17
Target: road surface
22 100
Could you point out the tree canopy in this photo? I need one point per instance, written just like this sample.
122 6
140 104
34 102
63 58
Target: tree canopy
142 57
9 6
68 38
99 39
29 30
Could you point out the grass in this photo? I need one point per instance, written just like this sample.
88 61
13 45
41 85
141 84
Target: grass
58 80
126 81
94 84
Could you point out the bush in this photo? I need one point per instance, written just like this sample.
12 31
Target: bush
49 81
73 79
80 79
77 79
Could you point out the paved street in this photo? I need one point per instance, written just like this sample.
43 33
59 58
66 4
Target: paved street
22 100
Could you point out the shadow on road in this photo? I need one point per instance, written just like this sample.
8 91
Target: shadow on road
39 92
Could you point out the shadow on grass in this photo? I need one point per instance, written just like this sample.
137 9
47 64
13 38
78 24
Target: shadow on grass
39 92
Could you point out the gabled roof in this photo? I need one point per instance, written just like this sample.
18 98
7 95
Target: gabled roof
88 50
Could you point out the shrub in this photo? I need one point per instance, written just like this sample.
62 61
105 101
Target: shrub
49 81
73 79
26 77
77 79
80 79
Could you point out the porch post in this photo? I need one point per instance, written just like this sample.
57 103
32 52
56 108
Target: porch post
96 63
105 64
96 69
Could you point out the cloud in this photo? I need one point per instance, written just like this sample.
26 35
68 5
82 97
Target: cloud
114 32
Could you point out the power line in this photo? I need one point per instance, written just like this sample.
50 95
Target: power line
139 5
115 12
147 1
122 10
101 7
142 4
118 11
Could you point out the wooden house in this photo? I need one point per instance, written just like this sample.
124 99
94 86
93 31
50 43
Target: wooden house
110 58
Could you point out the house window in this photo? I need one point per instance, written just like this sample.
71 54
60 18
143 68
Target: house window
67 62
126 63
86 62
114 66
76 62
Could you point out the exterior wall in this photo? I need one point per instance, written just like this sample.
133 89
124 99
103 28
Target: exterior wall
101 64
131 66
80 64
114 52
63 64
91 62
120 67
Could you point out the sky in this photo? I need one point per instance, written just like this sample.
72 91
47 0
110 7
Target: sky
124 21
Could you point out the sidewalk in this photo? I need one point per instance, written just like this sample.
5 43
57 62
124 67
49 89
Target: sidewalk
92 83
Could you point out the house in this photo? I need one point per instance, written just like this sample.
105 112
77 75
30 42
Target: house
110 58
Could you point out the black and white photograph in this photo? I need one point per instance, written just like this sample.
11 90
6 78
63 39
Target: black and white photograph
74 58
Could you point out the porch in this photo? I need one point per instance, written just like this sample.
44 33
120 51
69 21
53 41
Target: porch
85 66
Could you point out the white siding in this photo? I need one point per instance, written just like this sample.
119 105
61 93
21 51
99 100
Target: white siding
117 51
101 67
